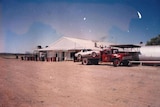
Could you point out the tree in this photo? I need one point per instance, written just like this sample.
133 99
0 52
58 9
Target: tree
154 41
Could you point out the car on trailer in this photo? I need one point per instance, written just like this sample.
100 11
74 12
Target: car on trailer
89 53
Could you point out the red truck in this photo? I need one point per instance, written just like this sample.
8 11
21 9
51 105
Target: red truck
113 55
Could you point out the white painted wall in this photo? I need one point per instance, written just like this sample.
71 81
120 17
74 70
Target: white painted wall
67 55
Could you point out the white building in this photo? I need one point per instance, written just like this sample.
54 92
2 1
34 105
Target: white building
66 47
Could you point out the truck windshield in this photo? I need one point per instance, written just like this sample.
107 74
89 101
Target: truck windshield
115 51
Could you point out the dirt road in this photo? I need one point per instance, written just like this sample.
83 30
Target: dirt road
69 84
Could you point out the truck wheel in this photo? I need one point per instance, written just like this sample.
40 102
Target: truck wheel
129 64
85 61
116 62
126 63
94 54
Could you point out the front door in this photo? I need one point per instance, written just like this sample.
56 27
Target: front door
106 56
63 56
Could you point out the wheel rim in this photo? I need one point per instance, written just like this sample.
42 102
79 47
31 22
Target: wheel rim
85 61
93 54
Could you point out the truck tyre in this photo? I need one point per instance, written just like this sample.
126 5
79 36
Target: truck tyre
126 63
85 61
116 62
129 64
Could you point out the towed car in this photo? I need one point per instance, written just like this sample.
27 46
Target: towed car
87 53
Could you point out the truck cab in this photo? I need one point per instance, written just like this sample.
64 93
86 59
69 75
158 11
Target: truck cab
115 56
107 55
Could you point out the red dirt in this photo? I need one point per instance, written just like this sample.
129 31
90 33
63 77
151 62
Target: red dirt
69 84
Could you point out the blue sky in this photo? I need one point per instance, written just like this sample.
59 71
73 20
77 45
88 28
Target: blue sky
24 24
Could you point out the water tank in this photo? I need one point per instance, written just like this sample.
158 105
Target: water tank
149 53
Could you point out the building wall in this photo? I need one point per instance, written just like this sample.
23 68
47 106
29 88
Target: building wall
51 54
60 55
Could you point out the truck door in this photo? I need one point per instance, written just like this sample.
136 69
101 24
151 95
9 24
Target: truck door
106 56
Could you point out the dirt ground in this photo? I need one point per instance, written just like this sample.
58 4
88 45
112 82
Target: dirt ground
69 84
